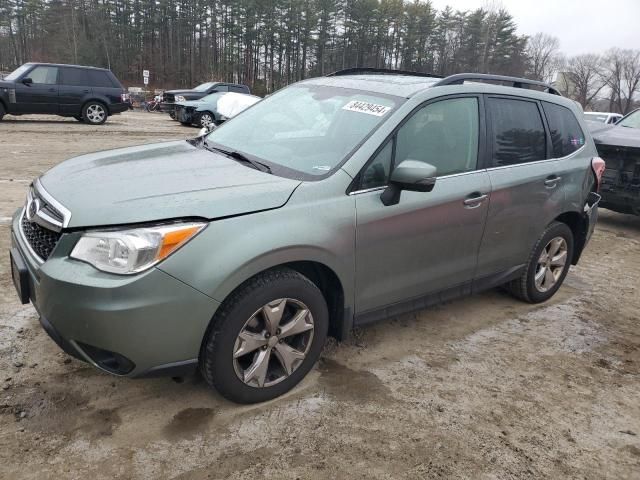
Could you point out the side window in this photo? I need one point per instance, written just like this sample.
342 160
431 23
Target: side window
566 134
444 134
518 131
237 88
74 77
221 88
44 75
376 174
98 78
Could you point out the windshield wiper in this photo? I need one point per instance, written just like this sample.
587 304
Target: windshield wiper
240 157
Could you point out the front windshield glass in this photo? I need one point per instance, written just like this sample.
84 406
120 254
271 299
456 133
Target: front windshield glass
17 72
631 121
203 87
211 97
309 129
595 117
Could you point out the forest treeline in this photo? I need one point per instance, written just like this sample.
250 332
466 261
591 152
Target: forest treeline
270 43
264 43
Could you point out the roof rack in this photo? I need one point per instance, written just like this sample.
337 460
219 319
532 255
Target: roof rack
380 71
460 78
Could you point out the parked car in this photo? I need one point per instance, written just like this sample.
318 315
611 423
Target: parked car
602 117
334 202
88 94
619 146
170 97
213 109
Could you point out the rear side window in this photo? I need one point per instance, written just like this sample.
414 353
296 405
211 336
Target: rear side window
566 134
518 131
44 75
238 88
220 88
74 77
99 78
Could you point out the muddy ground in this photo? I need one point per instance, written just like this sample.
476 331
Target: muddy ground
485 387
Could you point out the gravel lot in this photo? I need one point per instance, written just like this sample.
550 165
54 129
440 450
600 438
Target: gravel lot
485 387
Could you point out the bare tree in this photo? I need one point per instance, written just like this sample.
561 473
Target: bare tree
621 74
583 78
545 59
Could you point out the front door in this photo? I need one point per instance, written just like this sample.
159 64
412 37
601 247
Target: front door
40 96
428 242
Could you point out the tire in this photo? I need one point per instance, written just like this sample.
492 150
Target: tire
172 115
94 113
222 362
79 118
525 288
205 119
2 112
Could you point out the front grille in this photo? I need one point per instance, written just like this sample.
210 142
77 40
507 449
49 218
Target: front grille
169 98
41 240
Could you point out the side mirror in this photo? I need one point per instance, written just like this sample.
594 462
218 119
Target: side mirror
27 81
409 175
207 130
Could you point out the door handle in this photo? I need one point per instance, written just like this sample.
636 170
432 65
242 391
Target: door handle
552 181
475 201
52 90
86 91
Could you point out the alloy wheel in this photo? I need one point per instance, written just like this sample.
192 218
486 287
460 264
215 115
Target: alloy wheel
95 113
551 264
205 120
273 343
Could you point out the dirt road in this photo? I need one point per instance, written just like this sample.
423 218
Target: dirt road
486 387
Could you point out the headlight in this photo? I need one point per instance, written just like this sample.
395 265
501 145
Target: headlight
180 98
131 251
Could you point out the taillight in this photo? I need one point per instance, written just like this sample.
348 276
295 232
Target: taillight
598 166
125 97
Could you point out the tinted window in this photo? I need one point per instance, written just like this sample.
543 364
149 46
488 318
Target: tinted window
99 78
74 76
444 134
221 88
238 88
44 75
376 174
566 134
518 132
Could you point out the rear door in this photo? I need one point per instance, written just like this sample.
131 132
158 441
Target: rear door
40 96
73 89
526 184
428 242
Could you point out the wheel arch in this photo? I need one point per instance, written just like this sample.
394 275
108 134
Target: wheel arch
579 226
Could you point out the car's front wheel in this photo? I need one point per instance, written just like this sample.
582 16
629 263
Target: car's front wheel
206 119
94 113
547 266
265 337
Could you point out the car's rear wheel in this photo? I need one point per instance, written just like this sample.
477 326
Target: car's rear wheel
547 266
265 337
206 119
94 113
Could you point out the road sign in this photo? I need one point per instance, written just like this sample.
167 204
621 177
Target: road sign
145 73
146 80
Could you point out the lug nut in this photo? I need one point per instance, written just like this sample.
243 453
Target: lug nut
264 347
267 335
278 332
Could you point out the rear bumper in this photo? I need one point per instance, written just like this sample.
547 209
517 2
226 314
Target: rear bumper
143 325
115 108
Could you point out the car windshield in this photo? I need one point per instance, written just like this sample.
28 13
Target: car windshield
17 72
306 129
595 117
203 87
631 121
212 97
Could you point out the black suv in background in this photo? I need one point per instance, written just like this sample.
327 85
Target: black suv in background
171 97
88 94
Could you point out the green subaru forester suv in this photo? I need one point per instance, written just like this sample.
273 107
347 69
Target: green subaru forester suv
333 203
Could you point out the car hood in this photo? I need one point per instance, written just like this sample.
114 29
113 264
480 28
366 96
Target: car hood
190 103
618 136
161 181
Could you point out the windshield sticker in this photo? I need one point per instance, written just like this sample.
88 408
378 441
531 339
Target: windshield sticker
324 168
366 107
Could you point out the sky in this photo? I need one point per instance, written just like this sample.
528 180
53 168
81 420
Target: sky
583 26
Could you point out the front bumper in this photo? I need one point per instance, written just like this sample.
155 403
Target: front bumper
140 325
